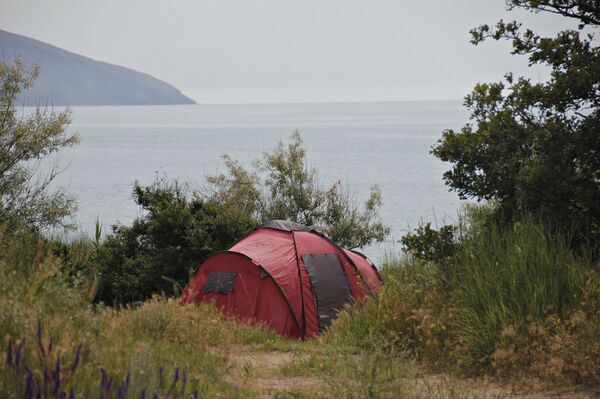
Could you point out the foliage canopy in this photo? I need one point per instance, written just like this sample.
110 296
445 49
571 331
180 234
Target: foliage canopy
282 186
536 146
25 198
181 227
160 250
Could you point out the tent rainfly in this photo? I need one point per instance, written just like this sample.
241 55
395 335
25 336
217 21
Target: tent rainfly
286 275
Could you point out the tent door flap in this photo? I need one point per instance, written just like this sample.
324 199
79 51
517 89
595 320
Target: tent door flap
330 285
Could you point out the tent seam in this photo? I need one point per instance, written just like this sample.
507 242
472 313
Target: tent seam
300 282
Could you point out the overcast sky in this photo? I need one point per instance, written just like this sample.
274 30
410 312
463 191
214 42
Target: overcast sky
228 51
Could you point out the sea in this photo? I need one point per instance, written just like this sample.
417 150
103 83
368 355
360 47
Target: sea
386 144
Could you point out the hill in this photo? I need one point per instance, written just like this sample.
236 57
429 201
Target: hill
70 79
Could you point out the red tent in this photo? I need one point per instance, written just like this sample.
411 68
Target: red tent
290 277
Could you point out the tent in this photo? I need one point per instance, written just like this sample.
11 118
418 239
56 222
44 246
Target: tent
284 274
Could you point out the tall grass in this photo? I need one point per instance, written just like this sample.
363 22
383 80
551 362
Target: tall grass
409 314
510 280
511 300
47 325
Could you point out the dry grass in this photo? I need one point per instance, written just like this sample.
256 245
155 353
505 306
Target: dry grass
388 347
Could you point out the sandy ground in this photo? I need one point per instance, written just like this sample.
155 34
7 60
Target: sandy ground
260 371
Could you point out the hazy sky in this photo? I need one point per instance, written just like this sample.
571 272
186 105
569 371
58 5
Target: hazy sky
225 51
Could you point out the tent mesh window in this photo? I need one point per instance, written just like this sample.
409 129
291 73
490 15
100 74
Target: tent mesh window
219 282
330 284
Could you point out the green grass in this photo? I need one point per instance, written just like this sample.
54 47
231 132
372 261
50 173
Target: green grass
511 301
508 279
49 319
409 314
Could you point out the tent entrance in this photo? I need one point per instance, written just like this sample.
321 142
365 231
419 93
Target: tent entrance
330 285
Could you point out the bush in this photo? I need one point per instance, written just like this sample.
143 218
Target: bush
181 227
281 186
430 245
160 250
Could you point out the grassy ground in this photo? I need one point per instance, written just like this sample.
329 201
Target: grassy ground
416 339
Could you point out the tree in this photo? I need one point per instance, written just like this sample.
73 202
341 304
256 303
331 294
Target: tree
535 147
25 198
282 186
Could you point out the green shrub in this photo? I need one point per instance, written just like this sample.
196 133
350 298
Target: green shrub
78 262
181 227
282 186
159 251
436 246
429 244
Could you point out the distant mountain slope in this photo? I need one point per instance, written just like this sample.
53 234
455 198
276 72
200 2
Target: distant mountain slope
70 79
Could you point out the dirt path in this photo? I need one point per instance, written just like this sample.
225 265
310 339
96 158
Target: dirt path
263 372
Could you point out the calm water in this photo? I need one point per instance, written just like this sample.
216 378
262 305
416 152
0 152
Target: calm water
360 143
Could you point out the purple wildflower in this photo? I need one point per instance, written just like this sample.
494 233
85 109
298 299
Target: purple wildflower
77 360
38 388
122 391
56 377
18 355
29 383
184 380
42 352
102 382
45 381
9 354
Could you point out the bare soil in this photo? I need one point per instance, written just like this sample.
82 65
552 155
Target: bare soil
260 371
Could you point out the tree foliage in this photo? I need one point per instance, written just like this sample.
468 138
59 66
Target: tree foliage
25 198
430 244
180 227
282 186
536 146
160 250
